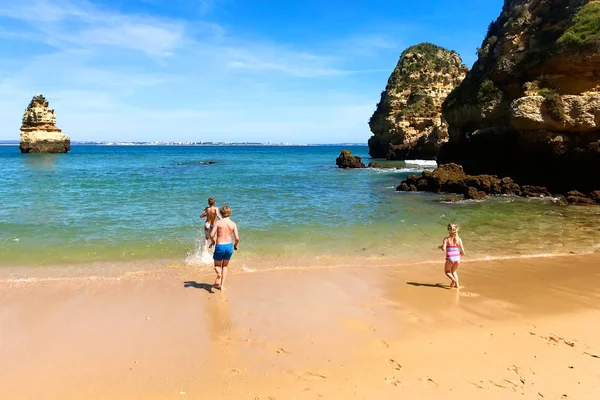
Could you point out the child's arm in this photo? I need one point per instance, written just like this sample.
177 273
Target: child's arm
236 235
203 213
462 248
219 216
443 246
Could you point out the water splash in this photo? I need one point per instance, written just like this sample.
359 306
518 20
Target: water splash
199 255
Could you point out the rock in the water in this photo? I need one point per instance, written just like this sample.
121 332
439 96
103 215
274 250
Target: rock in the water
575 197
347 160
450 178
374 164
560 201
530 106
595 195
39 133
473 194
534 191
407 123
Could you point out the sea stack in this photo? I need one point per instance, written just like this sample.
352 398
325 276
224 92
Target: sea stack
39 133
407 123
530 107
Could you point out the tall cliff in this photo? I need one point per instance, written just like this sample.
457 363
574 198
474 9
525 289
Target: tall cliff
39 133
530 107
407 123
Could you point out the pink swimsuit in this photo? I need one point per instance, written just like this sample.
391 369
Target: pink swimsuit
453 253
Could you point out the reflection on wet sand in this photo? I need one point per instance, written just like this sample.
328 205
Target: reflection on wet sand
220 326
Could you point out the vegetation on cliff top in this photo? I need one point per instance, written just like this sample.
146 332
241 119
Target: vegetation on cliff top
538 31
38 100
584 33
428 57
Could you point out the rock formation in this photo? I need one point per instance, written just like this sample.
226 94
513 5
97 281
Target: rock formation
530 107
450 178
39 133
347 160
407 123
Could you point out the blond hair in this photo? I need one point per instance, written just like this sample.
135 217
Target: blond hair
225 211
211 201
453 231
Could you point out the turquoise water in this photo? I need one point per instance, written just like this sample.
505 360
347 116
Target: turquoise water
105 204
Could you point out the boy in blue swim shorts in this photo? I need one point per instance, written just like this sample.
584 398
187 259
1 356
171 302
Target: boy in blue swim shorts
224 229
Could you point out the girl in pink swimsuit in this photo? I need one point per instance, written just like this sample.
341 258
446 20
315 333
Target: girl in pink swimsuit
453 246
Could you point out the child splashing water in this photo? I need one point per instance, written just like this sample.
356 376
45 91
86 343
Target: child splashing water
453 246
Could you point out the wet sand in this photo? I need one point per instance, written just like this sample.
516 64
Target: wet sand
519 329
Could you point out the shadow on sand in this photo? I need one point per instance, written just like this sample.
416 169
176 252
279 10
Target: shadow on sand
209 288
432 285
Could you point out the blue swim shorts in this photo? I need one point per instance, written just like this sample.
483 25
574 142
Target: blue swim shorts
223 251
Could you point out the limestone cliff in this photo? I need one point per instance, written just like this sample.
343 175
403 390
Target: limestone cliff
530 107
407 123
39 133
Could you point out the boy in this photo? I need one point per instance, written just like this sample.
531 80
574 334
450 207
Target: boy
224 229
212 214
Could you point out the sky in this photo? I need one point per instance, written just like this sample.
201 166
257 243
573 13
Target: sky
271 71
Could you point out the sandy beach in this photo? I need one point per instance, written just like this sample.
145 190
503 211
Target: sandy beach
519 329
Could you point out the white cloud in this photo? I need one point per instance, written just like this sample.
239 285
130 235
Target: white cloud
65 24
118 76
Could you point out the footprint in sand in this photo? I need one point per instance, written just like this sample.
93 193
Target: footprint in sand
477 385
281 350
430 383
469 294
391 380
395 364
311 376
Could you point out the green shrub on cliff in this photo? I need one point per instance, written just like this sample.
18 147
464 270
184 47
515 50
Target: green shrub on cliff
422 108
410 70
584 33
488 92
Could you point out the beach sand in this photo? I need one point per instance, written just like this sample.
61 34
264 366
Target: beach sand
519 329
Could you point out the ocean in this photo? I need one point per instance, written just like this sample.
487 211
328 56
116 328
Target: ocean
294 207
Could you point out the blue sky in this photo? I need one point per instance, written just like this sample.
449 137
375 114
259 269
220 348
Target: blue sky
307 71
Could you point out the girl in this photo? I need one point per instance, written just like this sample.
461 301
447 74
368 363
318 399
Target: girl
453 246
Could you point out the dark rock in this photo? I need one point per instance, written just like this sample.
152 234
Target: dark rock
595 195
575 197
347 160
423 185
374 164
448 178
404 187
510 188
472 193
451 199
560 201
534 191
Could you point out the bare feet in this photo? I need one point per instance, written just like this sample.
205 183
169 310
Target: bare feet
218 282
